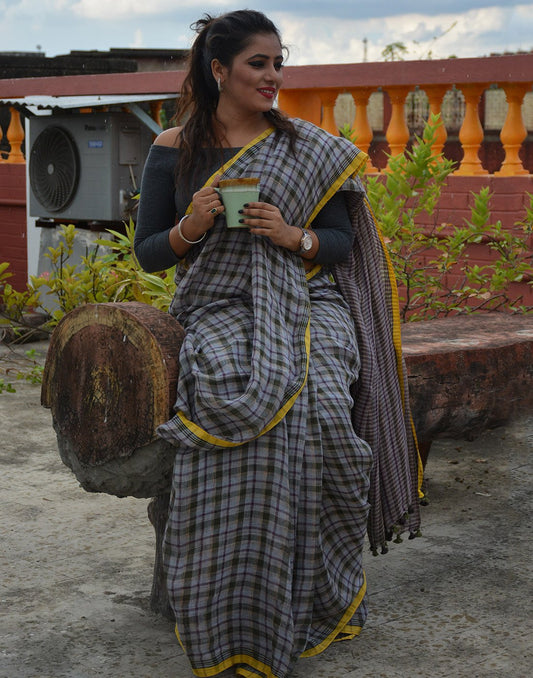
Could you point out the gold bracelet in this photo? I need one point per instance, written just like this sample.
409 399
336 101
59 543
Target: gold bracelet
189 242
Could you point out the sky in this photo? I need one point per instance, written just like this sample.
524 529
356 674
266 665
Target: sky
315 31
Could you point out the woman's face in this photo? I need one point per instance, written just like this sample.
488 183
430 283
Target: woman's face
255 76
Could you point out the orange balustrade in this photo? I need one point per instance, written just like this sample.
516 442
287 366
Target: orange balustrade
310 92
472 77
328 98
15 135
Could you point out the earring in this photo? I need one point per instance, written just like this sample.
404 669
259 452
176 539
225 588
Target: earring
219 85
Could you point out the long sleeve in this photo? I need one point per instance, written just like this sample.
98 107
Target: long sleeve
334 231
157 211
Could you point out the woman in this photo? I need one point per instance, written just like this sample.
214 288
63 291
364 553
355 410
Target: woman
288 373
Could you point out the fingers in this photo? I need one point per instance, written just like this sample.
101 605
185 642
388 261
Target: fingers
266 220
255 208
272 228
206 206
261 215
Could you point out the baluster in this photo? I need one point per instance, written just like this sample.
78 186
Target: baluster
471 132
435 96
328 97
15 137
397 132
301 103
361 125
513 131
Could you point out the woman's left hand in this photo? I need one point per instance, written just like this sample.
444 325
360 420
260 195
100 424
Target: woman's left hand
265 219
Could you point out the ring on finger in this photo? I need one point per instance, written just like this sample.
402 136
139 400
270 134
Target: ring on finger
213 210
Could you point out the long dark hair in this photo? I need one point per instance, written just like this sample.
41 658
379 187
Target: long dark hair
219 38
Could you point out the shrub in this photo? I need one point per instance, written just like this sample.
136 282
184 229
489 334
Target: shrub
428 259
110 272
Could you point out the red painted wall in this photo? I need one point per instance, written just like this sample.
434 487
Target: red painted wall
13 246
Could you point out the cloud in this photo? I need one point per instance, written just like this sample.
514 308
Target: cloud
472 33
127 9
376 9
315 31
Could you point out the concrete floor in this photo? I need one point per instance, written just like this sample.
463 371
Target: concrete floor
76 569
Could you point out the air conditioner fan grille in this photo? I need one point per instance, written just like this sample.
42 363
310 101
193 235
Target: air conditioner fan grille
54 168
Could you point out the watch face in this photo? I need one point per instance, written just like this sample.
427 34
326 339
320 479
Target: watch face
306 242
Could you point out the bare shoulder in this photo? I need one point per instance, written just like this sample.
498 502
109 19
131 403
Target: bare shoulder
169 137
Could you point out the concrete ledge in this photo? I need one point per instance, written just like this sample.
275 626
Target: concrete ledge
468 373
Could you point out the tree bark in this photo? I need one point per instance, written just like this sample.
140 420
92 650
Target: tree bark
110 379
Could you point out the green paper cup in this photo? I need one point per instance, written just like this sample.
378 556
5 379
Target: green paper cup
235 193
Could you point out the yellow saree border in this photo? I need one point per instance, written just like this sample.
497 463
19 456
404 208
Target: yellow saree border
233 159
342 626
353 168
265 671
397 342
228 663
313 271
201 433
348 632
247 674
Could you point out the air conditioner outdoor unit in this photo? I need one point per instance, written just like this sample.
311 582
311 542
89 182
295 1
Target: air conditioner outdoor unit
85 166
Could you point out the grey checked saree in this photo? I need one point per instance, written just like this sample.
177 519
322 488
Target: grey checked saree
291 424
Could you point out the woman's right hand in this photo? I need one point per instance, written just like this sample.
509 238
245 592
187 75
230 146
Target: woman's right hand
206 207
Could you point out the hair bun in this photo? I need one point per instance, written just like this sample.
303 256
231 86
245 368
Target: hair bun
203 23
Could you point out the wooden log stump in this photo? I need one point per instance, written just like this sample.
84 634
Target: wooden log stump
110 379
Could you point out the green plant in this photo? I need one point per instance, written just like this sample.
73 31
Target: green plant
431 261
132 282
22 367
7 387
109 272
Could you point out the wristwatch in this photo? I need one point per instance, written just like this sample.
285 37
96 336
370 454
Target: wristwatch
306 243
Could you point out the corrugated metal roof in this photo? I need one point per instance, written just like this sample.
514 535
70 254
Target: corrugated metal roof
43 104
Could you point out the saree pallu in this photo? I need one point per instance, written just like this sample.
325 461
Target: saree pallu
273 467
